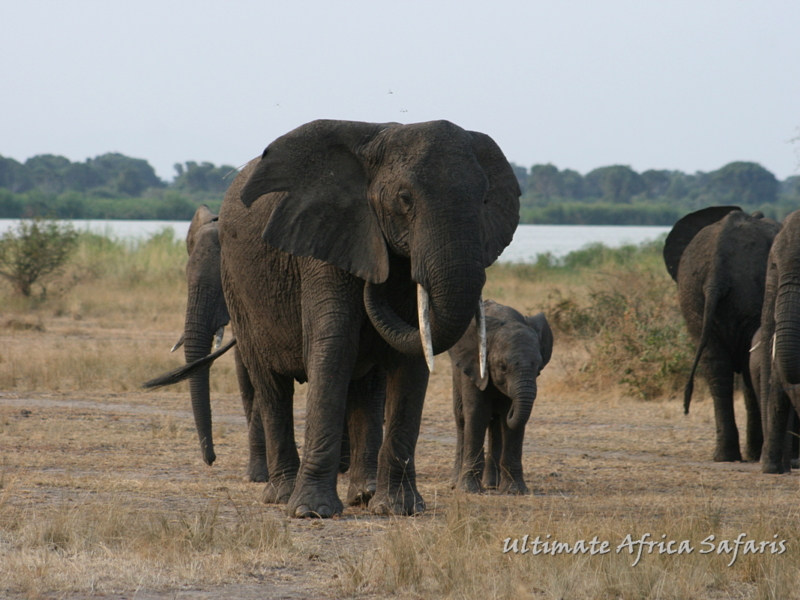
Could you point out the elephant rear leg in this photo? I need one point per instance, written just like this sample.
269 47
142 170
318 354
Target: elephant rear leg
273 400
720 374
365 401
491 472
257 469
755 433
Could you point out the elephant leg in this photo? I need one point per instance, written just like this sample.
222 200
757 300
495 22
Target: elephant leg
396 491
719 373
511 478
458 414
273 400
344 455
257 469
365 400
491 473
794 435
477 415
331 331
755 434
778 411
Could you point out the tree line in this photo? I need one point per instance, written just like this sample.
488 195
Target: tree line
115 186
110 186
619 195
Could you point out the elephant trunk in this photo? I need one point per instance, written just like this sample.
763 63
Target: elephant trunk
522 396
203 319
787 332
451 278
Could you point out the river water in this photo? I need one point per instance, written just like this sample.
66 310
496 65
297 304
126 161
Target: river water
529 240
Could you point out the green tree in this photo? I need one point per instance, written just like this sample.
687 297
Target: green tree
617 183
544 182
34 250
744 183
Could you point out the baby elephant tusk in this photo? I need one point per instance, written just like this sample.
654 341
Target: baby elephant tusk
480 319
179 343
423 311
218 337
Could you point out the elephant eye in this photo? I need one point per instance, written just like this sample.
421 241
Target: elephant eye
503 367
405 200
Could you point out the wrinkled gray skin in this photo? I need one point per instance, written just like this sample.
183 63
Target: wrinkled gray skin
791 446
206 313
517 349
324 240
780 330
718 257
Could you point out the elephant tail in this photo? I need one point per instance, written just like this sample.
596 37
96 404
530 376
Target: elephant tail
185 371
712 299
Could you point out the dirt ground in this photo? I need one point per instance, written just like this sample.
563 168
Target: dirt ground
592 460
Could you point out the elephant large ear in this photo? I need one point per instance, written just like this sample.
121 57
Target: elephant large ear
501 204
540 325
464 354
684 231
325 213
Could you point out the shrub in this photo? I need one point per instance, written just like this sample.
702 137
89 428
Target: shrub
34 250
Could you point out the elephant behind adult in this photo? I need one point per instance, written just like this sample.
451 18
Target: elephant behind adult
780 338
498 400
206 317
718 257
330 241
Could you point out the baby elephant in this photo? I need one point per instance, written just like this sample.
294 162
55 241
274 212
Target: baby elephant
517 350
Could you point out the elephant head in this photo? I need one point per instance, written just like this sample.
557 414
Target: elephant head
206 316
432 199
518 348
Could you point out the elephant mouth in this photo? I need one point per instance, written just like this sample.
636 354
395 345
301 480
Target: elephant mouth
409 339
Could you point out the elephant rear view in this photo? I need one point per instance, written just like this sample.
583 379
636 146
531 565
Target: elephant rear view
718 257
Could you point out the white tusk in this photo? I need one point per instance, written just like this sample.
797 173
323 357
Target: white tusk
179 343
218 337
423 308
773 347
480 317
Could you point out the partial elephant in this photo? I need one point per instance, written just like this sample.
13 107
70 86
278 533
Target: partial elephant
206 317
351 254
790 452
780 337
499 399
718 257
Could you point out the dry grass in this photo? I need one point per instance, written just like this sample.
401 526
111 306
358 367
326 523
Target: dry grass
103 494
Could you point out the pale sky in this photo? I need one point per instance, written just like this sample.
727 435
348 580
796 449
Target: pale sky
689 85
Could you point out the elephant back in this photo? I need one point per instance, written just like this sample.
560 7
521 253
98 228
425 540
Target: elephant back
684 231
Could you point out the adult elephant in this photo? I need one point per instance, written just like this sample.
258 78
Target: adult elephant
330 243
780 346
499 400
718 257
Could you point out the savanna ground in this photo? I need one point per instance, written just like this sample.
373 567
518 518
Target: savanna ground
103 493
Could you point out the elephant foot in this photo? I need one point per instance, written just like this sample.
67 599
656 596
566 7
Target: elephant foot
278 490
771 468
753 453
470 483
795 463
405 502
308 502
360 493
513 486
722 454
257 471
